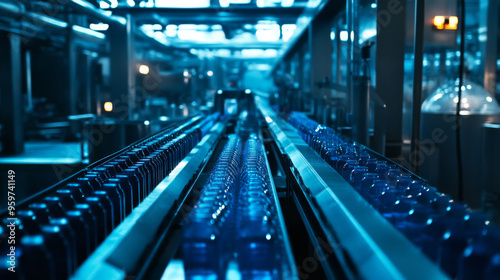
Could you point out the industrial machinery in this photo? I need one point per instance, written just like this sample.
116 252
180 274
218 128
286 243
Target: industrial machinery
247 195
249 139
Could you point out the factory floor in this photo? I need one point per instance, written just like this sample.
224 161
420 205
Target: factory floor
41 165
46 153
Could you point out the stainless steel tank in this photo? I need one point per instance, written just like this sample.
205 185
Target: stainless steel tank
438 157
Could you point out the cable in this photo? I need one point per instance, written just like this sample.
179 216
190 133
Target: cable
459 103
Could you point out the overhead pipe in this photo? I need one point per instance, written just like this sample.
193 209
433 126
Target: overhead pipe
87 9
418 53
17 10
11 8
159 44
45 21
88 34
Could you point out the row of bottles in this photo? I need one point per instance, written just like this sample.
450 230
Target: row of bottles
258 238
462 242
235 218
58 231
209 228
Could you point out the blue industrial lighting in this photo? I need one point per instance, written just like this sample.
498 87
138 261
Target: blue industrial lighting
99 26
224 3
104 5
287 31
171 30
88 32
267 31
239 1
287 3
182 4
344 36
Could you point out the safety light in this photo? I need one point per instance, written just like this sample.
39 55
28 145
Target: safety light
445 23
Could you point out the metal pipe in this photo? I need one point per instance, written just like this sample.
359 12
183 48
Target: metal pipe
418 53
349 22
85 8
88 34
361 109
11 10
29 88
44 21
161 46
380 124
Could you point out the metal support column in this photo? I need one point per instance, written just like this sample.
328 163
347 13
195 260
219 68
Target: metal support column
418 52
299 76
489 25
123 69
73 84
29 88
321 49
11 111
89 81
361 109
391 24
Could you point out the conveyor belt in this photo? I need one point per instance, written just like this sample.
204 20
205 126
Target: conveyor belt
364 242
144 211
58 228
125 252
121 216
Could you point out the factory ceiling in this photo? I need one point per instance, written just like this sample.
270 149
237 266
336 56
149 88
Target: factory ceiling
217 24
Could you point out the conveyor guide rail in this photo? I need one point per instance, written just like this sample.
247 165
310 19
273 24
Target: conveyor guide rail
372 244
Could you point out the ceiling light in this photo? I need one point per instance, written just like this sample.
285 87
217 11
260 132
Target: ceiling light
99 26
104 5
344 36
268 31
224 3
239 1
287 31
287 3
144 69
108 106
182 4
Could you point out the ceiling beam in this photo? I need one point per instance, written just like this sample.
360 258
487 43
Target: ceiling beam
227 45
212 15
